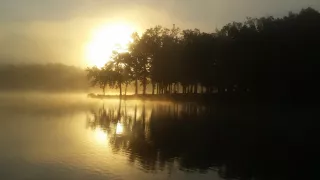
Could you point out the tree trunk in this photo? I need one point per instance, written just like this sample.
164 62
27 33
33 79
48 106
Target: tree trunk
190 90
153 88
120 87
136 84
104 89
125 90
144 83
161 88
158 88
171 88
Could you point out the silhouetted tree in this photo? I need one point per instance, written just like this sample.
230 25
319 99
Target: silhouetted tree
101 77
270 58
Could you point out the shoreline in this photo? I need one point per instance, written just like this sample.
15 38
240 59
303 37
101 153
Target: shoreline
201 98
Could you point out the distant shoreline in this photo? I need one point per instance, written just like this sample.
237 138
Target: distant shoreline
177 97
155 97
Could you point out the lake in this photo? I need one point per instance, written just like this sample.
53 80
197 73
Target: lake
72 137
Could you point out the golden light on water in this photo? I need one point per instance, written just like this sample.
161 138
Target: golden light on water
105 40
101 136
119 128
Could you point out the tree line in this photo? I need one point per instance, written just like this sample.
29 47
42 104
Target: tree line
268 55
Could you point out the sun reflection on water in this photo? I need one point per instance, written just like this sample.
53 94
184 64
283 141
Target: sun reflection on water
101 136
119 128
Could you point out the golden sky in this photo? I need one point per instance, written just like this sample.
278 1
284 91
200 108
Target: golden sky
44 31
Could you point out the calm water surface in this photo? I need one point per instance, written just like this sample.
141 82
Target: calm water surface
72 137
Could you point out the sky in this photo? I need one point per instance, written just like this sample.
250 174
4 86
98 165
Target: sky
58 31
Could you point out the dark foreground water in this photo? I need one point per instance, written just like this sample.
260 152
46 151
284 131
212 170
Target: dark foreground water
71 137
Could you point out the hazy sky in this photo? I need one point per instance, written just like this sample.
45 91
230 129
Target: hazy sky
58 30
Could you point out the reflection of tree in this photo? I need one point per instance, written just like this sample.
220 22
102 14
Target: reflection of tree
195 137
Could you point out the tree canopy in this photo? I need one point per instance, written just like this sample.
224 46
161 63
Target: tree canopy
264 56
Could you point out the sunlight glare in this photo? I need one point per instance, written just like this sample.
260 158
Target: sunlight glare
105 40
119 128
101 136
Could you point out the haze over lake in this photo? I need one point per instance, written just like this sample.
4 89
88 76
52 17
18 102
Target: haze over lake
69 136
151 89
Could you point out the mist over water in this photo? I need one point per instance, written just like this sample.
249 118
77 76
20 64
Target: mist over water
70 136
51 136
172 95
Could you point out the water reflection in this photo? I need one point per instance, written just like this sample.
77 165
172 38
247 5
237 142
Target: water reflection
119 128
101 135
195 138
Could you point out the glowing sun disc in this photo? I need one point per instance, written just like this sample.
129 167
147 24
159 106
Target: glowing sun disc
105 40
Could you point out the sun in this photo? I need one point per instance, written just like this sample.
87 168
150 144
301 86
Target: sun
105 40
